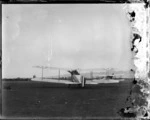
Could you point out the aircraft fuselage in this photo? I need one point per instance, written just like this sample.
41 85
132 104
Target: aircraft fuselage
76 77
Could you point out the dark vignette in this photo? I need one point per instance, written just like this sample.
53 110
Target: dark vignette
136 37
0 59
69 1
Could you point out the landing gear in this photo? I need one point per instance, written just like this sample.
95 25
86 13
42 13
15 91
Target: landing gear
69 85
75 85
79 85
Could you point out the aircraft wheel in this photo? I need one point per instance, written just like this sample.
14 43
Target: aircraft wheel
69 85
79 85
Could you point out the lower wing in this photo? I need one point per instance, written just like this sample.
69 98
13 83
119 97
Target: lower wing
102 81
53 81
94 82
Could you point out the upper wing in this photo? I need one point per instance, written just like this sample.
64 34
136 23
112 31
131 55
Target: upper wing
53 81
54 68
59 68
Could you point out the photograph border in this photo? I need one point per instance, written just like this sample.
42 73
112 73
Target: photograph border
140 48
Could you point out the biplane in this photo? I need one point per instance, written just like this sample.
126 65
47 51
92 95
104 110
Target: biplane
76 77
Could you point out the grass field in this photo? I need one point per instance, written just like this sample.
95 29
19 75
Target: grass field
36 99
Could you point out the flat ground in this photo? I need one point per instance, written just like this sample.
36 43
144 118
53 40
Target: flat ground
36 99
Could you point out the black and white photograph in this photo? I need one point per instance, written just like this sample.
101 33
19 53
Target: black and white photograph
68 61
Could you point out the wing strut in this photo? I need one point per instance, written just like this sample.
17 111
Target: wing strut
59 74
42 73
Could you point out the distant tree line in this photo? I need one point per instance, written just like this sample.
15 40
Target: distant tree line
17 79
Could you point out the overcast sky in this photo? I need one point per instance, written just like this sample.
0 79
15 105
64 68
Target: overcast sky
66 35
